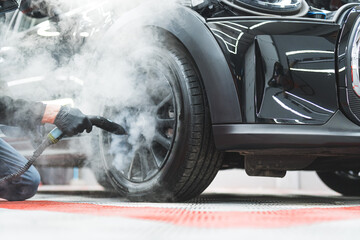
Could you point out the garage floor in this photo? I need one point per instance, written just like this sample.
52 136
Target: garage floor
99 215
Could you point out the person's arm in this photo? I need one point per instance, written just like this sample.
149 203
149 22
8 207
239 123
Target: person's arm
20 112
27 115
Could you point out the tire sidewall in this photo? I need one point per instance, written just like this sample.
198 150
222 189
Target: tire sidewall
162 185
340 183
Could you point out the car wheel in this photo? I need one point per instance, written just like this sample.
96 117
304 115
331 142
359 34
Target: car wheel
102 178
172 157
344 182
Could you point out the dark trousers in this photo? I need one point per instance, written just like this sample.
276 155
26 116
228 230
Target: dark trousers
23 187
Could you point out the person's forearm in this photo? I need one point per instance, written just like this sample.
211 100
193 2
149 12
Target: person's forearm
20 112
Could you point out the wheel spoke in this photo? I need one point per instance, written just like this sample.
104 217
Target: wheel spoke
143 165
163 141
156 160
167 99
129 175
165 123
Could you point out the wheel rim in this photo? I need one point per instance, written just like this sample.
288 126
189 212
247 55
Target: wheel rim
351 174
139 157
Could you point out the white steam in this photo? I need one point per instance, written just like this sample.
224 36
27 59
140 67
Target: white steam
76 56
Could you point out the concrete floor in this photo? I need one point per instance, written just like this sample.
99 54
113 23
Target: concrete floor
214 215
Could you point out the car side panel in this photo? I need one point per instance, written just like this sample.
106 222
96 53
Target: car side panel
285 68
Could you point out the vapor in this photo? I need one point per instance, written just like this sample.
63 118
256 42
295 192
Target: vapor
78 58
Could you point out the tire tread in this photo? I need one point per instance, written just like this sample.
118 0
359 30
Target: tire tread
204 159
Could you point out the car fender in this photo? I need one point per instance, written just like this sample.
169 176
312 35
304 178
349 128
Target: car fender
191 30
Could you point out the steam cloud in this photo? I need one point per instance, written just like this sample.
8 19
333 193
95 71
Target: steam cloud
77 58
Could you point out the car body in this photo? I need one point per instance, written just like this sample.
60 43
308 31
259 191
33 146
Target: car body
266 86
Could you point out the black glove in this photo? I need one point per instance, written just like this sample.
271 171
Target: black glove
72 121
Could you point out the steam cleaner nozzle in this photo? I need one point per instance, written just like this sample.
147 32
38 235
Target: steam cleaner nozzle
107 125
56 134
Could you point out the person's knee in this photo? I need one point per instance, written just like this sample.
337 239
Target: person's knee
24 189
31 189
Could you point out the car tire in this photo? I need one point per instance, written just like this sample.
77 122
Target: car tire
101 177
345 182
192 160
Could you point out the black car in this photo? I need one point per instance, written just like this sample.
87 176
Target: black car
267 86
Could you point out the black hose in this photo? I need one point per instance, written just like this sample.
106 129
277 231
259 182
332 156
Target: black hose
97 121
46 143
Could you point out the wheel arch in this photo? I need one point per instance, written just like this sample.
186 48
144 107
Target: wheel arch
190 29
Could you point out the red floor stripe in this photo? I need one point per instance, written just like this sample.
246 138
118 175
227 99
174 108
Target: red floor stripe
207 219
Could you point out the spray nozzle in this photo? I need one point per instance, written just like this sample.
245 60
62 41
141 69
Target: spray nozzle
107 125
56 134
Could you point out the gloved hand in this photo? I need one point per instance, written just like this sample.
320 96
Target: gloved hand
70 121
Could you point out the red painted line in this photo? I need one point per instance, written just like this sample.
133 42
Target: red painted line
205 219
